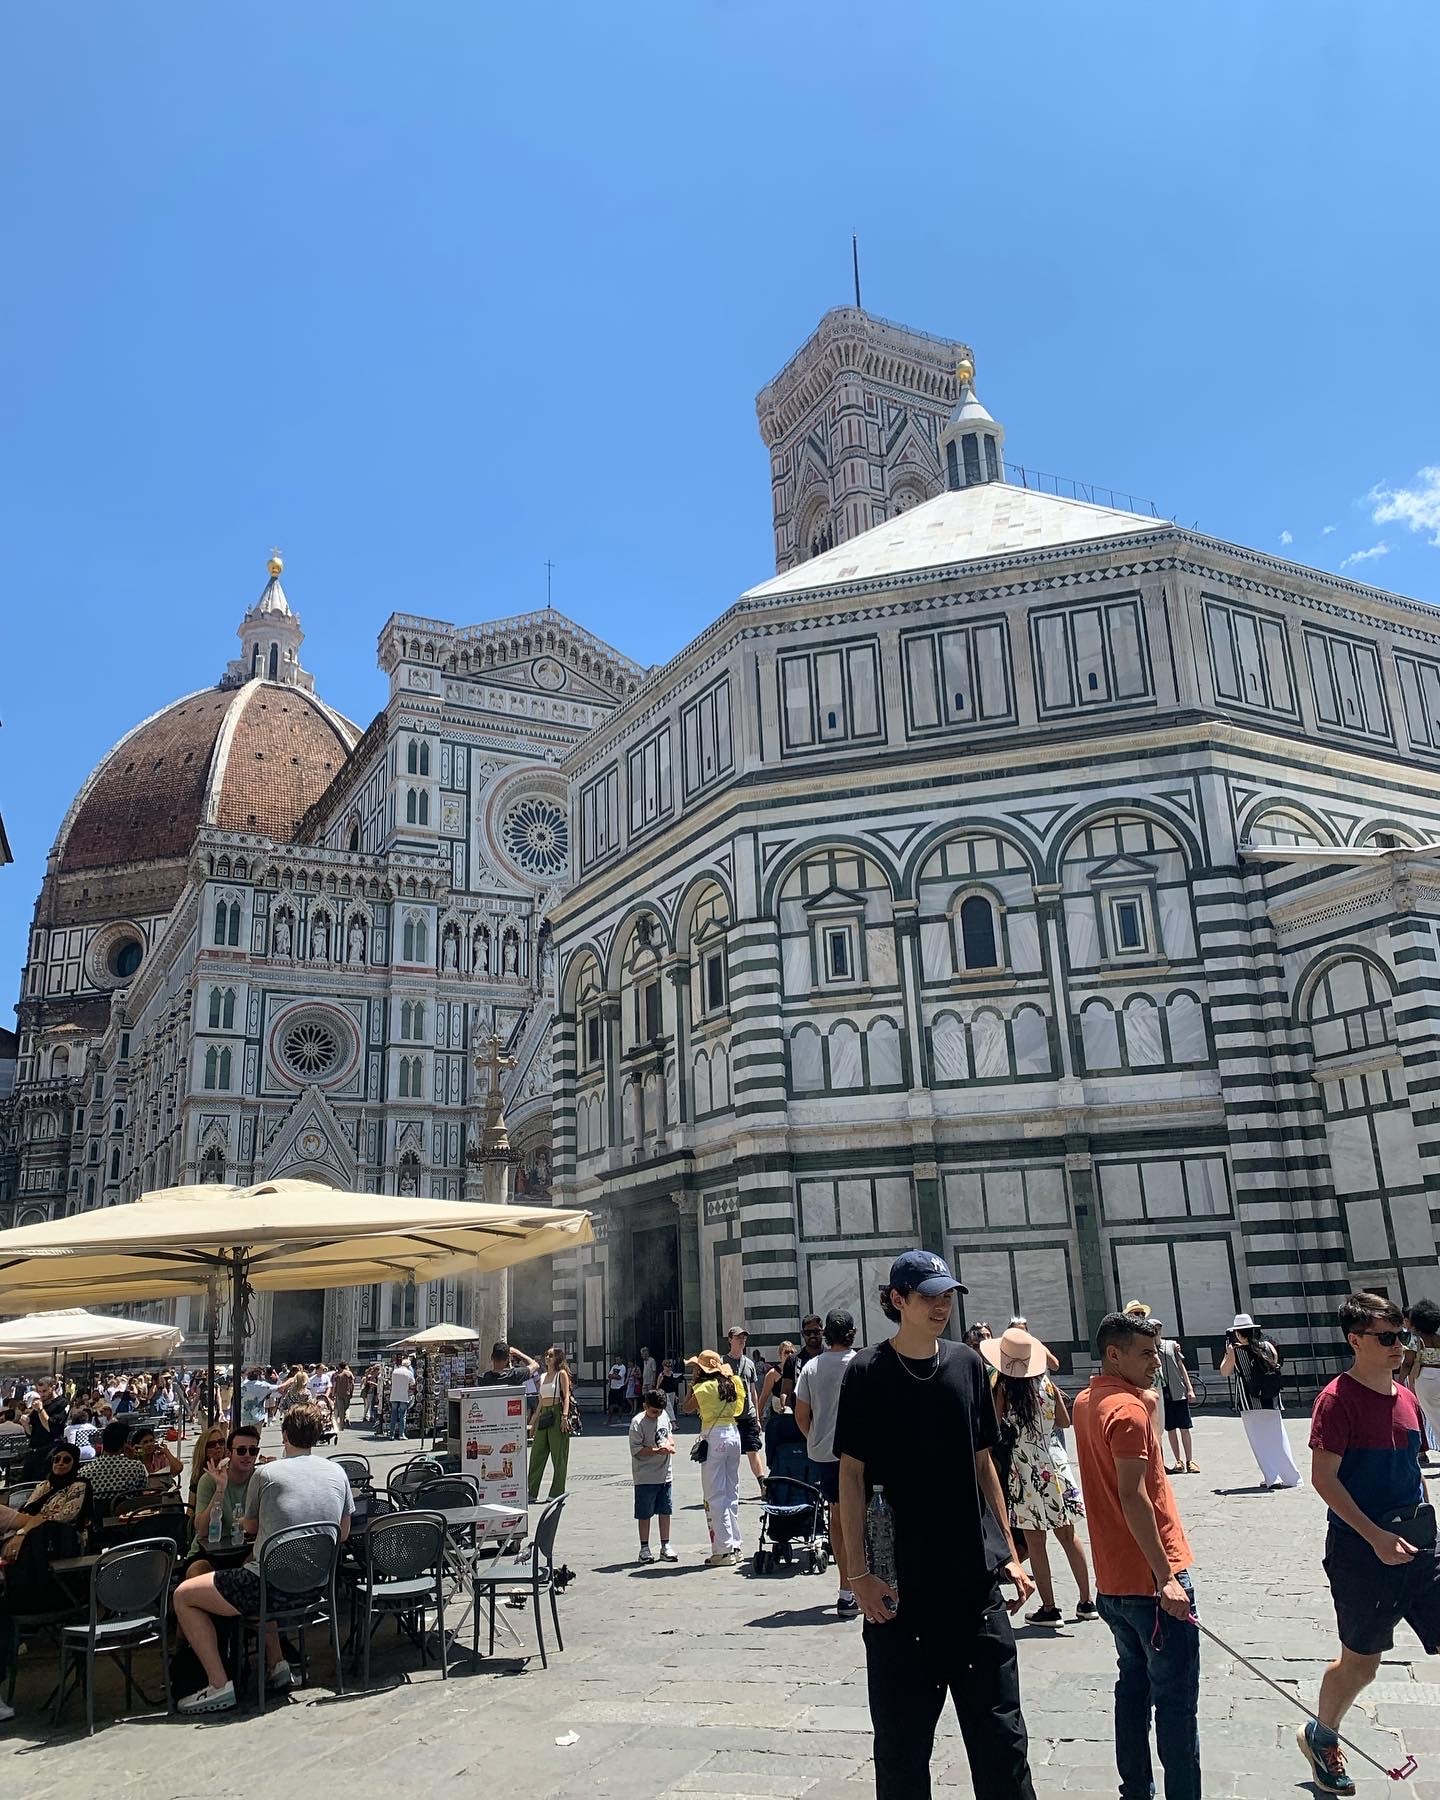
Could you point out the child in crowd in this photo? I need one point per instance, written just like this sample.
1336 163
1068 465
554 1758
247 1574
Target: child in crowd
652 1445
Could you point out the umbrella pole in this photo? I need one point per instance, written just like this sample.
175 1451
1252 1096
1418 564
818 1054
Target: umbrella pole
239 1292
212 1302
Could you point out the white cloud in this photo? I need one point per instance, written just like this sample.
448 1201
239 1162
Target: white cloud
1287 537
1417 507
1325 530
1359 556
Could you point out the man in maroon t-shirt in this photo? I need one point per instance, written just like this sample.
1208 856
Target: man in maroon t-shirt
1380 1559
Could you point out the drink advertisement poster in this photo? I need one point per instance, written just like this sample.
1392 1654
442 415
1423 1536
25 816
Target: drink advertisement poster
493 1450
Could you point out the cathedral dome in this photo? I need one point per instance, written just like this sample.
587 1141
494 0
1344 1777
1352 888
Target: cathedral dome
249 759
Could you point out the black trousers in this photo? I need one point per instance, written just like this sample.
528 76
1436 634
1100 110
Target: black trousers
968 1649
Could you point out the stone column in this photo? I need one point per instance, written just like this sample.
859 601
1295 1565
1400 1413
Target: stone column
688 1208
340 1328
679 974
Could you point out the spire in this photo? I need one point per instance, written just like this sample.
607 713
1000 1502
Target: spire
270 638
971 443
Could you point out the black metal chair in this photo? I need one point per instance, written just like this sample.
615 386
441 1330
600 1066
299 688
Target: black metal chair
357 1472
531 1572
297 1589
129 1604
140 1518
403 1481
447 1493
17 1493
404 1574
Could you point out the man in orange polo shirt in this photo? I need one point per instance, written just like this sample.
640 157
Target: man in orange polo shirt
1142 1562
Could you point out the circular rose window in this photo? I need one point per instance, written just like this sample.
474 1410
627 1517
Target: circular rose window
310 1048
537 837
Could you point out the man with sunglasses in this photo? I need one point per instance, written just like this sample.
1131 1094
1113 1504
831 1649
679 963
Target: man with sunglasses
1366 1436
224 1484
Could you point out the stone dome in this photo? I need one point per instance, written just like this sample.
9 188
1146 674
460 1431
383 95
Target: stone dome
252 758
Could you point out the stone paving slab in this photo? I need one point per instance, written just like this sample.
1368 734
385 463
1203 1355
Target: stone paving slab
716 1685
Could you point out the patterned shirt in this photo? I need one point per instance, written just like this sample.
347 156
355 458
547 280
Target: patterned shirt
114 1477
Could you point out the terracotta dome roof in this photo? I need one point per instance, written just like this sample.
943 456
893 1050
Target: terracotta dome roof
250 759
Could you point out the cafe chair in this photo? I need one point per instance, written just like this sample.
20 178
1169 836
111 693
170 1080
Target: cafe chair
532 1572
129 1605
404 1575
297 1589
403 1481
357 1472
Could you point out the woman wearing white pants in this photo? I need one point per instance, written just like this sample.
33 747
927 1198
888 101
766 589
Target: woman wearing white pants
718 1397
1254 1363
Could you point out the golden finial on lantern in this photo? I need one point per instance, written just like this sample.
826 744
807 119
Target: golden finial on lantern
276 564
964 370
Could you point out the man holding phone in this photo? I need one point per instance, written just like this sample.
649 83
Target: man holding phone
1365 1441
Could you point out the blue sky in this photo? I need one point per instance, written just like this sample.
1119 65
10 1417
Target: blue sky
428 294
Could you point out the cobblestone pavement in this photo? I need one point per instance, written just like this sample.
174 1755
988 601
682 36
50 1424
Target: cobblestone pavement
715 1684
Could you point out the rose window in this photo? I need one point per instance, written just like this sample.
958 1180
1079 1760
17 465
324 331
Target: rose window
311 1048
537 837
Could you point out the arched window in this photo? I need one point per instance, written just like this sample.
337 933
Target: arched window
412 804
415 939
225 1070
212 1164
274 662
412 758
977 933
354 844
424 759
114 1165
227 1011
90 1191
419 1020
212 1063
215 1002
254 661
405 1020
424 807
221 918
119 1118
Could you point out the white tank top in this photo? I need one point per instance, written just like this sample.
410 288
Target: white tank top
549 1387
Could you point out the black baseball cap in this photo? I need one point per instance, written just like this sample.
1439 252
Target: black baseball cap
922 1272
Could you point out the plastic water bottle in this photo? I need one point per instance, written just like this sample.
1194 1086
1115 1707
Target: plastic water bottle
237 1533
216 1527
880 1540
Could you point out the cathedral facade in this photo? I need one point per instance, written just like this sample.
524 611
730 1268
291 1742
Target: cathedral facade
1037 882
270 944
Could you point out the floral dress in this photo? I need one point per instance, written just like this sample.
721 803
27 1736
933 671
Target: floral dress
1041 1490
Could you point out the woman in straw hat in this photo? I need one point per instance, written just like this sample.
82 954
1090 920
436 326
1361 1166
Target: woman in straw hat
718 1396
1041 1490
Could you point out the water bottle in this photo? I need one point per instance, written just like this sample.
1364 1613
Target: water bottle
217 1522
880 1540
237 1533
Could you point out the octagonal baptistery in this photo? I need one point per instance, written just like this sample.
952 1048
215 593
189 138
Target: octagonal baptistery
248 755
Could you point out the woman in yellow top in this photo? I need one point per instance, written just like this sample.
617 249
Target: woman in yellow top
719 1398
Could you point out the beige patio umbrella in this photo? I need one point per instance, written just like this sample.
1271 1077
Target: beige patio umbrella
74 1332
277 1235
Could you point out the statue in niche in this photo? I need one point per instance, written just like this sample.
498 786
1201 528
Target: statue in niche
451 958
320 939
482 951
511 954
282 935
355 946
547 959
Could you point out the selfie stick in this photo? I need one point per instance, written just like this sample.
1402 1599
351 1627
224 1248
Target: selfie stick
1403 1773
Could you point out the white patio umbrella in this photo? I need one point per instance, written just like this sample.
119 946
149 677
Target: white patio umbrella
276 1235
73 1332
437 1334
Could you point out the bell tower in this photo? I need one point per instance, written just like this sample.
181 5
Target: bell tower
852 424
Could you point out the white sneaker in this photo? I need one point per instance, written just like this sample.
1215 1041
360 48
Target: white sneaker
6 1712
281 1678
667 1553
734 1556
647 1555
209 1699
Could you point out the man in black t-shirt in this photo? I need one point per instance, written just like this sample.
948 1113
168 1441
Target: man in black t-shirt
509 1367
916 1418
812 1344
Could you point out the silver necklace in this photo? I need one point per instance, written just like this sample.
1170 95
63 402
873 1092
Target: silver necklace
934 1366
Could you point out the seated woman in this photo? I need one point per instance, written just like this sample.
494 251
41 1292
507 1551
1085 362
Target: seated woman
52 1523
154 1454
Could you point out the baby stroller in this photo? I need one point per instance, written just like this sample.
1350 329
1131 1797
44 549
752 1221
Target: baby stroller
327 1412
792 1512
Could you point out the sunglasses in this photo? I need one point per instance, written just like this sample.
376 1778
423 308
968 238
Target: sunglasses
244 1450
1388 1338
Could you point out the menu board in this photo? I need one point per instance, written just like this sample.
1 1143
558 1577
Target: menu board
493 1451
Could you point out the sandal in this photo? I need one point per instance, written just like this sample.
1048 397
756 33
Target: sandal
1192 1468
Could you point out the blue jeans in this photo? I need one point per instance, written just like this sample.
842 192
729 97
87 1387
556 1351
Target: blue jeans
398 1410
1159 1658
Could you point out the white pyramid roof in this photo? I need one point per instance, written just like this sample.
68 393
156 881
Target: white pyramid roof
971 525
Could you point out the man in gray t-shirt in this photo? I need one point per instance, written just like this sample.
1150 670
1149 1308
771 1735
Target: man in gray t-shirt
817 1404
301 1489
